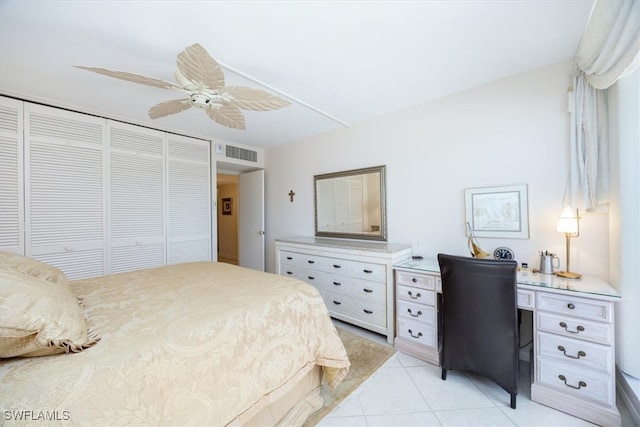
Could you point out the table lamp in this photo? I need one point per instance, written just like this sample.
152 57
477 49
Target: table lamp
569 224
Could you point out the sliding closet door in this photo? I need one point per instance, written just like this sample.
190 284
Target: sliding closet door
65 190
11 176
188 199
137 197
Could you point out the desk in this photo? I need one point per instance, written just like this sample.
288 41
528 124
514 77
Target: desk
573 335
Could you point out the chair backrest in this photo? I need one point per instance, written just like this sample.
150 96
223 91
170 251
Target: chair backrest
480 330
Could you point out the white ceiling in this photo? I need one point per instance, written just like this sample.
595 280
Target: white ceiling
339 62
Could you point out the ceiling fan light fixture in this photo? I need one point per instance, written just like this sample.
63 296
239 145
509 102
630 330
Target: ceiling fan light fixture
200 100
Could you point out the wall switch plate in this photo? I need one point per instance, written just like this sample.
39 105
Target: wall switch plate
219 149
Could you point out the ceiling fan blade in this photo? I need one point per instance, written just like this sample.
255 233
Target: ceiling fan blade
169 107
197 65
132 77
227 115
254 99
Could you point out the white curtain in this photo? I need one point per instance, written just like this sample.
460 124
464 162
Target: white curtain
610 48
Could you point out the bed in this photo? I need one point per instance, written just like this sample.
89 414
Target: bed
200 343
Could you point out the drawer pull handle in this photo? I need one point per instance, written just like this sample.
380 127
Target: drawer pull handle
310 261
580 384
337 302
571 306
311 278
337 283
367 290
580 353
414 280
289 272
337 266
368 271
289 258
414 315
415 336
577 331
417 295
368 311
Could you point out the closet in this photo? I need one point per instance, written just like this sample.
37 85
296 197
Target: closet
94 196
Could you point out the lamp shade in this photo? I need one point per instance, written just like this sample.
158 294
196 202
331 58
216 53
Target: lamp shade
568 221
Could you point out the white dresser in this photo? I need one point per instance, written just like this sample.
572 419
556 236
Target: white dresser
574 363
355 278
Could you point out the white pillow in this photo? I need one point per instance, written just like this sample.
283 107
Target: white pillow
39 318
31 267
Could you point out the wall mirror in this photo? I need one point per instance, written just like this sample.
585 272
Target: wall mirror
351 204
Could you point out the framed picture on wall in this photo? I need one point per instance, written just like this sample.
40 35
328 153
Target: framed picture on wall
227 206
498 211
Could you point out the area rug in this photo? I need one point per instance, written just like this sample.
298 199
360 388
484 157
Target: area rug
366 357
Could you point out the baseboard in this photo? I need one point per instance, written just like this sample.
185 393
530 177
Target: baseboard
628 397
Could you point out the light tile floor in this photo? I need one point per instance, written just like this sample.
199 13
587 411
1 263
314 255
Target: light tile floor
406 391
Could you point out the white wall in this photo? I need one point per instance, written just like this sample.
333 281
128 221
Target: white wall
624 105
508 132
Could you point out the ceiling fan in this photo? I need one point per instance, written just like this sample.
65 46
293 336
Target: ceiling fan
201 78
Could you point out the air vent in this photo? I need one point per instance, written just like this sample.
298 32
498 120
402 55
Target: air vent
241 154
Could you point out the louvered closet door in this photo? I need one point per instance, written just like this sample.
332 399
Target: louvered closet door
65 190
189 199
11 176
137 194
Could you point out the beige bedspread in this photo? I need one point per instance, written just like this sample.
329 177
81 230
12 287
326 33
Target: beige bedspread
191 344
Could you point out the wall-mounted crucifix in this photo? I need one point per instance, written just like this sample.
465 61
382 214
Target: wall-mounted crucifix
291 194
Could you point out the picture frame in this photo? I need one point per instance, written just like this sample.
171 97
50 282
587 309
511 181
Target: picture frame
227 206
499 212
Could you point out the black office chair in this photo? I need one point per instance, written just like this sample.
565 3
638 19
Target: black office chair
480 330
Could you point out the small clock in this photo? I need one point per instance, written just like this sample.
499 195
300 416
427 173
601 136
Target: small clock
503 253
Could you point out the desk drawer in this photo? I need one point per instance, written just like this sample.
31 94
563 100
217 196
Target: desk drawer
420 296
424 281
575 306
416 312
579 354
585 384
575 328
526 299
417 332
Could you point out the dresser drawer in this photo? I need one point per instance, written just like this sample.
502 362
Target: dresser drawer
417 332
575 328
417 312
584 384
291 271
367 271
356 308
374 292
313 277
290 258
314 262
575 306
579 354
421 296
424 281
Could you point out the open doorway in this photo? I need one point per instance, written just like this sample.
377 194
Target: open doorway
227 212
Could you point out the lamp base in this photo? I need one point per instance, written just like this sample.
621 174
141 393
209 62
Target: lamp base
568 275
